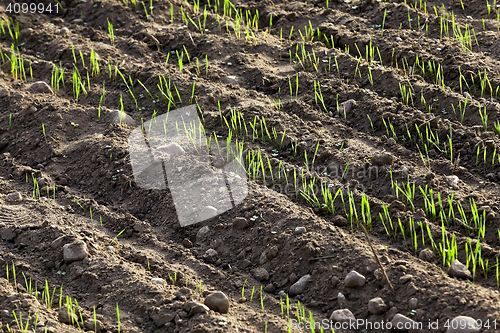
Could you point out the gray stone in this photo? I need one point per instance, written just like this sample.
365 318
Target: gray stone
240 223
413 303
187 243
426 255
339 221
25 33
347 106
299 230
198 308
13 197
405 278
210 256
218 302
159 281
377 306
67 318
75 251
402 323
382 159
202 232
342 316
231 79
459 270
354 280
269 288
4 92
60 241
41 87
121 117
94 326
299 286
172 148
260 274
64 31
207 213
463 324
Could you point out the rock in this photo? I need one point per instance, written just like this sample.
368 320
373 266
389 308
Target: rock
218 302
405 278
159 281
77 21
299 286
339 221
263 258
240 223
398 39
160 317
452 180
403 323
293 278
272 252
25 33
334 281
60 241
187 243
64 31
202 232
8 234
13 197
75 251
299 230
377 306
4 93
172 148
41 87
94 326
269 288
459 270
121 117
260 274
426 255
382 159
413 303
342 316
354 280
463 324
397 205
198 308
347 106
65 317
231 79
391 141
378 274
210 256
207 213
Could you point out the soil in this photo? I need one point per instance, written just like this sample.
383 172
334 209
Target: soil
362 136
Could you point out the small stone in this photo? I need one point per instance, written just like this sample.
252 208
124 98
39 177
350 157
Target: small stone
378 274
293 278
187 243
67 318
210 256
172 148
403 323
60 241
260 274
354 280
207 213
342 316
463 324
426 255
94 325
198 308
272 252
459 270
202 232
397 205
231 79
452 180
299 286
75 251
64 31
269 288
347 106
25 33
159 281
391 141
405 278
339 221
218 302
398 39
334 281
77 21
377 306
240 223
13 197
4 92
121 117
382 159
299 230
413 303
41 87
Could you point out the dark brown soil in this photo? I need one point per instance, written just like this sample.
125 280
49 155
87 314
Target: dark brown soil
362 136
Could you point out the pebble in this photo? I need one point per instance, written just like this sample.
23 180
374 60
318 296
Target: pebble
459 270
187 243
13 197
94 326
159 281
378 274
198 308
172 148
398 39
41 87
66 318
218 302
405 278
413 303
342 316
354 280
377 306
202 232
426 255
452 180
463 324
3 93
207 213
240 223
402 323
260 274
391 141
231 79
77 21
348 105
397 205
339 221
210 256
64 31
121 117
75 251
60 241
25 33
299 286
299 230
269 288
382 159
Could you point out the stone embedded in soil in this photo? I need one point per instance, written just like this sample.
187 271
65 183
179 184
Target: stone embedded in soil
377 306
75 251
8 234
202 232
402 323
459 270
354 280
347 106
60 241
382 159
65 318
405 278
299 230
231 79
207 213
198 308
260 274
426 255
172 148
63 31
4 92
160 316
218 302
240 223
41 87
269 288
413 303
299 286
339 221
342 316
463 324
452 180
94 326
13 197
159 281
121 117
187 243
